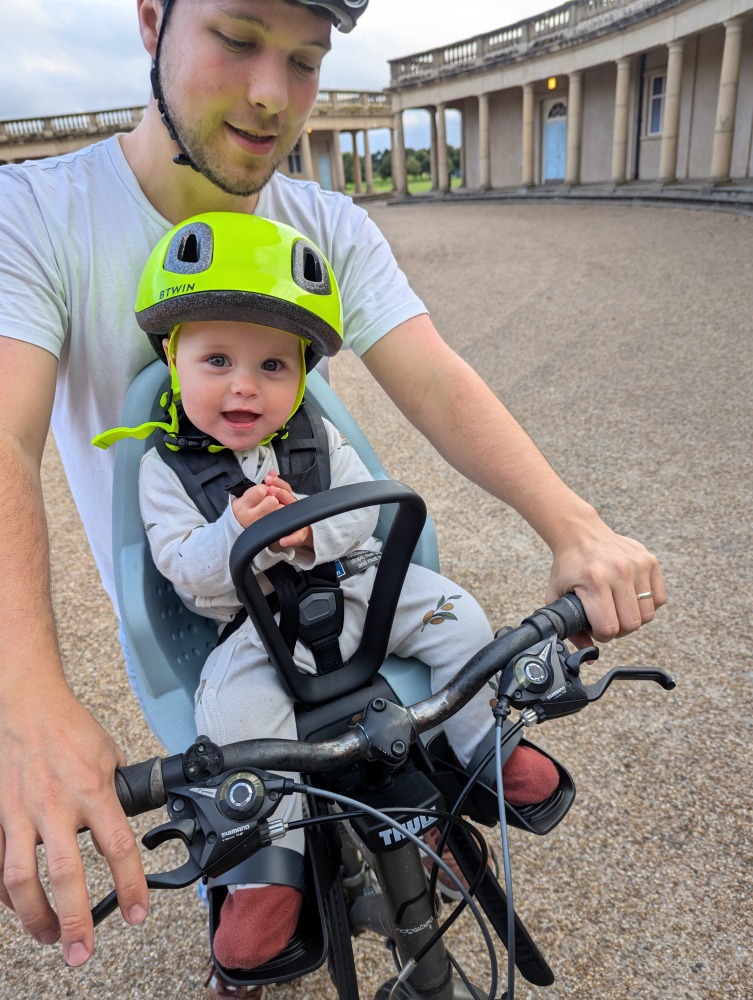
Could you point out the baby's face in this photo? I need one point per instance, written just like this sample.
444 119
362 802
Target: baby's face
238 381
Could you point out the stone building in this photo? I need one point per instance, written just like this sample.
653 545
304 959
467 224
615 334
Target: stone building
593 91
317 155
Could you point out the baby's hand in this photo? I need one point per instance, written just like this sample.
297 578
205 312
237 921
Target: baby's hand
283 494
254 504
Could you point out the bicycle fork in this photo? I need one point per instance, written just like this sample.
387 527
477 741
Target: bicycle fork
411 913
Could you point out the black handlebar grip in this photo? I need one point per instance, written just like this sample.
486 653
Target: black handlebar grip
566 614
570 609
140 787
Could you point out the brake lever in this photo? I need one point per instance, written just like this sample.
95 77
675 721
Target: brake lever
176 878
596 690
544 681
221 819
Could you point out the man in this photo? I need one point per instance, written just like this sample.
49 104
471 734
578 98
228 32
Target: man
236 81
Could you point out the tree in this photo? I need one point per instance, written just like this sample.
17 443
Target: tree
348 167
412 164
453 159
383 164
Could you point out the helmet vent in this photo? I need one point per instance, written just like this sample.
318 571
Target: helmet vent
309 270
188 252
312 267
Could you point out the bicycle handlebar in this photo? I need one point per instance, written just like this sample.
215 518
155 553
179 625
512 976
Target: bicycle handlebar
383 733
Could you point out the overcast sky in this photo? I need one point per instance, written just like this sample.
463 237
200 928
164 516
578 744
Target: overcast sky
86 55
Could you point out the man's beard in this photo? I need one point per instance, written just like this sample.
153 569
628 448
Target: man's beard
192 145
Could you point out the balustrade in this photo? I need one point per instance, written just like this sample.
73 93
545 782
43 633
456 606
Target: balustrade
367 102
574 21
20 131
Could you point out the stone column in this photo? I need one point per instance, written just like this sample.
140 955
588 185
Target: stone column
620 130
484 172
574 117
392 157
367 163
526 178
356 164
724 130
671 119
339 170
443 181
433 147
463 151
307 161
399 178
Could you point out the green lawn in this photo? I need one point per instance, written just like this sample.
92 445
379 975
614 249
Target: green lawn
416 185
381 186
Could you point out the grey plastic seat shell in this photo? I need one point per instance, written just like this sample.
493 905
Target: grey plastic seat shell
168 644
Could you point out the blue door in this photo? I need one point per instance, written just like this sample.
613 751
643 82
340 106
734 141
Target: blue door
555 143
325 173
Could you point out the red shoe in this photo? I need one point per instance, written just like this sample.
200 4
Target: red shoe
528 777
218 988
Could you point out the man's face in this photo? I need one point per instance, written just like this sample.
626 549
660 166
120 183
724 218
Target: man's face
239 79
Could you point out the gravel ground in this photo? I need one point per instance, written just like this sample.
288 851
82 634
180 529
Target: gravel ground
620 338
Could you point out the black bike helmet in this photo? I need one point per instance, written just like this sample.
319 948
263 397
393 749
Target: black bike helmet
345 13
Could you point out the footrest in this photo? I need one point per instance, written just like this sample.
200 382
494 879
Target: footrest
313 875
493 902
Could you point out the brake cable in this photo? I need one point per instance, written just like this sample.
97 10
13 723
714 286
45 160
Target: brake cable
411 964
499 720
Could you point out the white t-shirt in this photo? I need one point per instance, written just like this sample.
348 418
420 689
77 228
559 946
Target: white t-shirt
75 233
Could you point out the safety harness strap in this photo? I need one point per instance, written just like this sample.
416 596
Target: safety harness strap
311 609
303 453
310 602
207 476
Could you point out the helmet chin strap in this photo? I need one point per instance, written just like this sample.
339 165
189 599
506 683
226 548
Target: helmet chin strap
182 158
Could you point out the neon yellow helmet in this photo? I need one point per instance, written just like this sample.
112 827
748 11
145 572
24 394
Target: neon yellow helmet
243 268
232 266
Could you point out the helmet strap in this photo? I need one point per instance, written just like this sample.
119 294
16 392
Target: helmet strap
170 401
169 425
182 158
283 431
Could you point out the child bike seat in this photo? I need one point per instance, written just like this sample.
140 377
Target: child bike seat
168 644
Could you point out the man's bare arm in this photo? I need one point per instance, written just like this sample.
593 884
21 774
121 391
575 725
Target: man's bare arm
451 405
56 763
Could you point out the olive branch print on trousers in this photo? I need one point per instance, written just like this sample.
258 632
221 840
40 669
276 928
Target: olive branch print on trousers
442 612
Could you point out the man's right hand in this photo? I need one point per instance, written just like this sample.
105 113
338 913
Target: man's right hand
57 766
